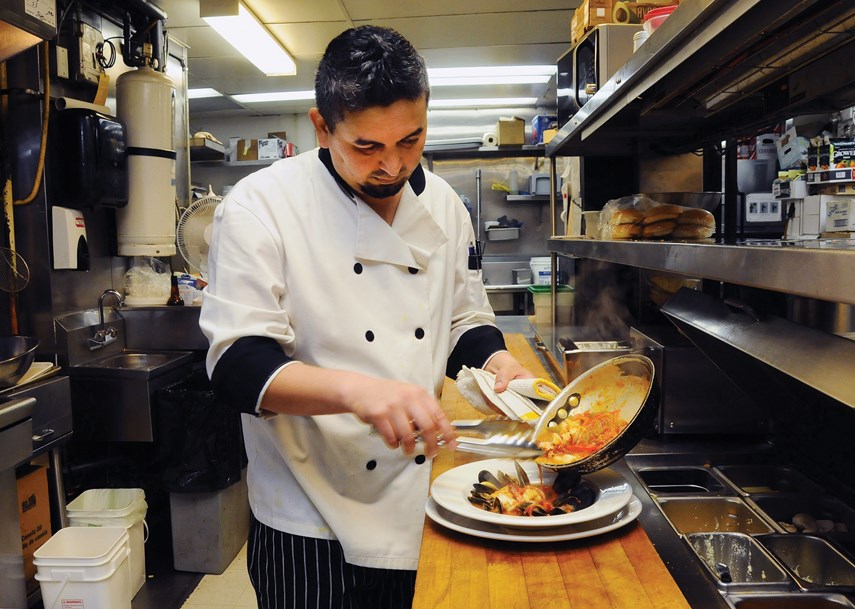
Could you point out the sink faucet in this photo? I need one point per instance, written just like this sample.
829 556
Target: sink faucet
105 336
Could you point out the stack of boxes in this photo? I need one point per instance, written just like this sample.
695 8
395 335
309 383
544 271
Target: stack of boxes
829 209
588 15
274 146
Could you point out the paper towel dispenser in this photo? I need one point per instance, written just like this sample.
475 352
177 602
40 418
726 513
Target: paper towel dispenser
87 161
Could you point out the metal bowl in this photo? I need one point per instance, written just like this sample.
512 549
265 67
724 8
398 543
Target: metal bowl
703 200
623 383
16 357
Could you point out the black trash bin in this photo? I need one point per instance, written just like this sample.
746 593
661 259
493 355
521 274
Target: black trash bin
200 444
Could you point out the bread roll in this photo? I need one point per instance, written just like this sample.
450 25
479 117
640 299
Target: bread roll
658 213
699 217
693 231
625 231
626 216
658 229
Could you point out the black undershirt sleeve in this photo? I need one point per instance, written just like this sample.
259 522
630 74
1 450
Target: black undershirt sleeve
473 349
244 369
246 366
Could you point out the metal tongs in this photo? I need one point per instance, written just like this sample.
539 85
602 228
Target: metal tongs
502 437
496 437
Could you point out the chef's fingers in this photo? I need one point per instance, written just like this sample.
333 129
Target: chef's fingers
406 430
506 368
434 428
387 432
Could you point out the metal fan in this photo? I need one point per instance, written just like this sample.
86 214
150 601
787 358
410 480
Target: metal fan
193 233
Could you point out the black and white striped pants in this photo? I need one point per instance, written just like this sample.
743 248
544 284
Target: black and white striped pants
293 572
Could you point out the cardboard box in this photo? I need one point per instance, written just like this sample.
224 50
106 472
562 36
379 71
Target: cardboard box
510 131
540 124
835 189
840 214
792 150
280 134
34 515
247 150
270 148
842 153
589 14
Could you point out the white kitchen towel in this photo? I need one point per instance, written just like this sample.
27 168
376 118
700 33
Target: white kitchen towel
516 402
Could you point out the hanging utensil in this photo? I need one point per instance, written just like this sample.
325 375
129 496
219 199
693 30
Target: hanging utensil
14 271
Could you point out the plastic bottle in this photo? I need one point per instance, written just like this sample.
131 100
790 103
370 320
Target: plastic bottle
175 299
513 182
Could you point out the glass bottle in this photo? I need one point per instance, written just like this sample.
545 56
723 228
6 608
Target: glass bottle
175 299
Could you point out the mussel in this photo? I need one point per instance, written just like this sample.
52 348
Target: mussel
569 493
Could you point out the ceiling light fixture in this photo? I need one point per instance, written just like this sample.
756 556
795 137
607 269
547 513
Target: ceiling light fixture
202 93
236 23
493 75
273 96
483 102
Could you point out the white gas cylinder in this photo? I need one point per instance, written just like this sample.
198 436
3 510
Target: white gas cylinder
145 100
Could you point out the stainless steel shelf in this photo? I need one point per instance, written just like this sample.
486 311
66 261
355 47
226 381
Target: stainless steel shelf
483 152
527 198
823 270
236 164
717 69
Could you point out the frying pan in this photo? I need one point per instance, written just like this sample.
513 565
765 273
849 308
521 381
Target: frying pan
622 383
16 357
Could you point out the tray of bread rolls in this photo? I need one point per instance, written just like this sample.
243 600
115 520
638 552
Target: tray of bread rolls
643 218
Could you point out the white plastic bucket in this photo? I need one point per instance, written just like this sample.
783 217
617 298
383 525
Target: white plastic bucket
541 270
84 568
116 507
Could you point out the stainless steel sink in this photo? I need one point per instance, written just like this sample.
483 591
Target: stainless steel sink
133 364
133 361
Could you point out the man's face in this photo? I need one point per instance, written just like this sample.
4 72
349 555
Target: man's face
377 149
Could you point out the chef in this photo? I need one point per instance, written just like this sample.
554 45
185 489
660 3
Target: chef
343 288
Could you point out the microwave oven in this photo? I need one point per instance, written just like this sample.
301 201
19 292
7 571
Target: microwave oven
587 66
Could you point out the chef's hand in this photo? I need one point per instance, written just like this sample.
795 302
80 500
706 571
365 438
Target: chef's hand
400 410
506 368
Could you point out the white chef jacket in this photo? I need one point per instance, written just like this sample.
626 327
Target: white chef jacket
296 258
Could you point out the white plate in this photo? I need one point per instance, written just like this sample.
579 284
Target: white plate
461 524
451 490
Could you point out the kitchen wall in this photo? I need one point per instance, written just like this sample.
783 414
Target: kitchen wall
52 293
448 129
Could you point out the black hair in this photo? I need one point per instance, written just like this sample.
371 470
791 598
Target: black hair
368 66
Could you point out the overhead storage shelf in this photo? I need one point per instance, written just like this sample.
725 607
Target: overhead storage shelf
717 69
440 152
824 270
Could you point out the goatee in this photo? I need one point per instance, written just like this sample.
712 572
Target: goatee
382 191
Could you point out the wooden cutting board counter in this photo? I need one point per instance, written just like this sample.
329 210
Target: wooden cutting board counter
617 570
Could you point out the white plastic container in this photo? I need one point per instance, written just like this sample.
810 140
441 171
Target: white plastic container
541 270
84 568
542 300
116 507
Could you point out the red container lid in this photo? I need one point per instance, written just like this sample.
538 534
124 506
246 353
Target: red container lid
659 12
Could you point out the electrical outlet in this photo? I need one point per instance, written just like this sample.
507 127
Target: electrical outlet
86 67
762 209
62 62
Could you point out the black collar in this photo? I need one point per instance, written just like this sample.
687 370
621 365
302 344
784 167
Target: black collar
417 179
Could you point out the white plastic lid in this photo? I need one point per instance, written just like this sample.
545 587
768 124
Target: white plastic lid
82 545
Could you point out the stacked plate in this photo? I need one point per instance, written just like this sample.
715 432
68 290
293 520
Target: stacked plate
614 506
